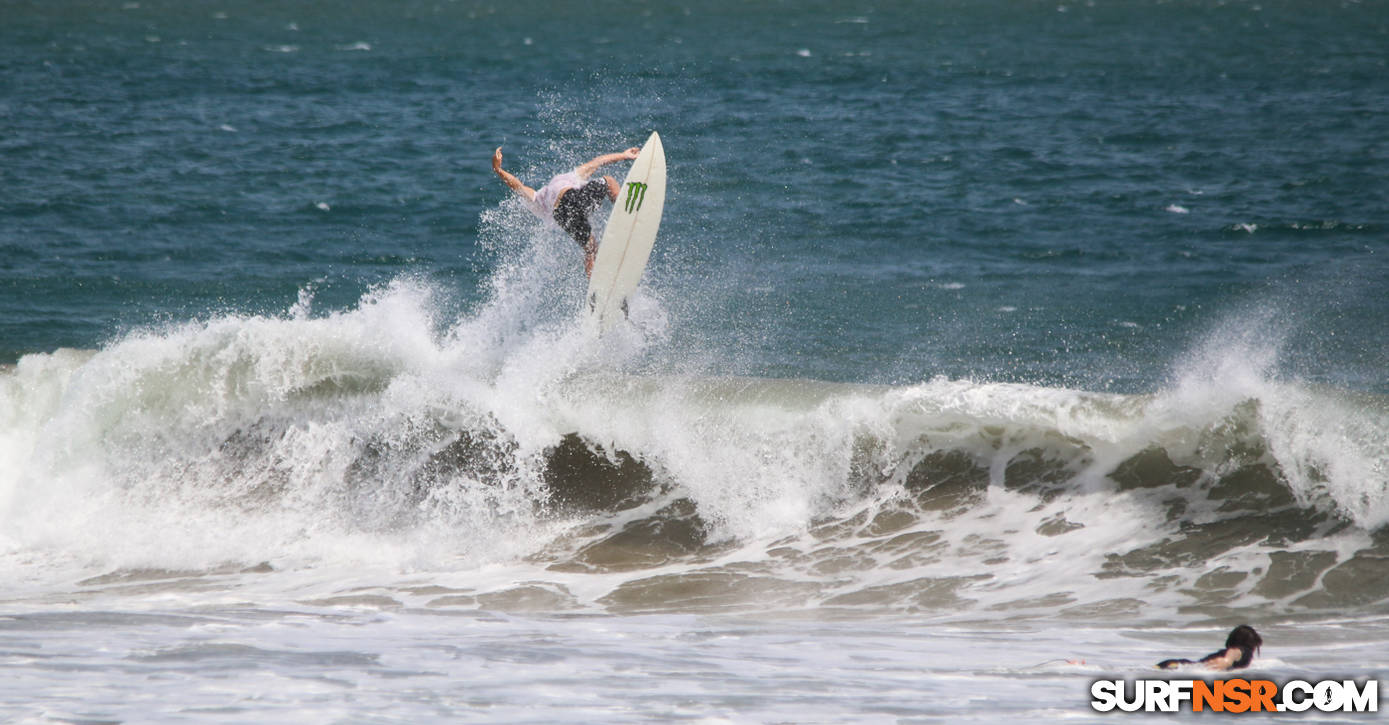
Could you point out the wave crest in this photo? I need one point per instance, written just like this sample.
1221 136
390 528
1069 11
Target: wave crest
377 435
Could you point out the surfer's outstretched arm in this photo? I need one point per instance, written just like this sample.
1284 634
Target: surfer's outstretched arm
598 162
507 177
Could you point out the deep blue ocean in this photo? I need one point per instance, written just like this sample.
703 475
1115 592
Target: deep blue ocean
1040 192
971 326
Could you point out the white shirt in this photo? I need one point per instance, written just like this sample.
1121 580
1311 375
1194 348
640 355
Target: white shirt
543 205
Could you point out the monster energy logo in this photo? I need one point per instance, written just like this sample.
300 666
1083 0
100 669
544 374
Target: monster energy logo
636 193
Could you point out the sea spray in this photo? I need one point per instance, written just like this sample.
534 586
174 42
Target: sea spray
1325 442
506 444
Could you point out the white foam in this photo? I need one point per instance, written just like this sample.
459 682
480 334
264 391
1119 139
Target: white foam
238 439
1326 442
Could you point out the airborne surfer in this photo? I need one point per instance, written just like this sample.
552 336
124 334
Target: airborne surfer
569 198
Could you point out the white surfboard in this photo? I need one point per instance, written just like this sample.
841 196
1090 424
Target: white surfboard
628 238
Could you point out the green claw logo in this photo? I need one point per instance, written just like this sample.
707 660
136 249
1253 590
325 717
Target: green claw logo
636 193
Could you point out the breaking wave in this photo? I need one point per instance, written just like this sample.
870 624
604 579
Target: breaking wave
384 438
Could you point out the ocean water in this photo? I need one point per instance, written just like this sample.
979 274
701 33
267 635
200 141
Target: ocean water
981 339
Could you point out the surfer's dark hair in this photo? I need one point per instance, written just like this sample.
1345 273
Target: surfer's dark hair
1247 640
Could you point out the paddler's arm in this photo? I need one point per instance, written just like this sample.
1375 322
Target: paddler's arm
598 162
510 180
1223 660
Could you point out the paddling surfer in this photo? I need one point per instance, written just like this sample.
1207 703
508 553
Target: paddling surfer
1239 650
569 198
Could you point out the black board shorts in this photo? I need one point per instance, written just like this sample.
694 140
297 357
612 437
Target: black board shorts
574 207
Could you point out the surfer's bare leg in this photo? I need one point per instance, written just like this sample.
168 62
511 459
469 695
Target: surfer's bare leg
613 188
590 254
